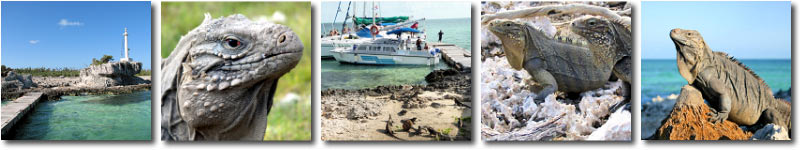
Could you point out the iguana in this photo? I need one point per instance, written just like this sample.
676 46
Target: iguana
219 81
584 59
735 91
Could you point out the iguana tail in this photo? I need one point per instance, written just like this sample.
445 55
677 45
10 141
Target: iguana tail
785 109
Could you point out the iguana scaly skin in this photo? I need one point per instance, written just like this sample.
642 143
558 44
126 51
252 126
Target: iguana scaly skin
578 61
735 91
220 79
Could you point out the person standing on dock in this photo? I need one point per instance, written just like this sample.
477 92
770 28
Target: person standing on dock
440 35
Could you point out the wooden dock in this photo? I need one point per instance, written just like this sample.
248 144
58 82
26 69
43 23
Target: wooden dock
15 110
454 56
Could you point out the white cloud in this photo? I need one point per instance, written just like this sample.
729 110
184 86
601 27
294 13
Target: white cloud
33 42
66 23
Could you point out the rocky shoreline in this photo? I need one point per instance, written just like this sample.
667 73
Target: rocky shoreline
104 78
440 110
55 87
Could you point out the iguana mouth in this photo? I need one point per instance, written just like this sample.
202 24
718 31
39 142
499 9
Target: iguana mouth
577 41
675 35
252 61
232 72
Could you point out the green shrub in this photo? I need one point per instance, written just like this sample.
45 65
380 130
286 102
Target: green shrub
47 72
103 60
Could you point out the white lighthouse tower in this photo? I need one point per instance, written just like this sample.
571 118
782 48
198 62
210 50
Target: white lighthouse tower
126 47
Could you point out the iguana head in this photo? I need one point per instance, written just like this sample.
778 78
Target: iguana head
596 30
692 51
516 34
513 34
234 51
231 68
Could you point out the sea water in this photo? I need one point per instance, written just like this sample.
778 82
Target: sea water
348 76
92 117
661 78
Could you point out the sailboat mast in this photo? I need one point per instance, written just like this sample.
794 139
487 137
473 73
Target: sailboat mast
338 9
346 15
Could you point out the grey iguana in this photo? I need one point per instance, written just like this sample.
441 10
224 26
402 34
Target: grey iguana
219 81
584 59
735 91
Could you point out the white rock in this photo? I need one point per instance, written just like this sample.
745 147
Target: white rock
771 132
505 93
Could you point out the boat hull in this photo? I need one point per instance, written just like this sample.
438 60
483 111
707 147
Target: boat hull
376 59
328 45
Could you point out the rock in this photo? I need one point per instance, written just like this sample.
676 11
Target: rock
402 113
688 121
652 115
17 82
509 112
617 128
436 105
784 94
771 132
111 74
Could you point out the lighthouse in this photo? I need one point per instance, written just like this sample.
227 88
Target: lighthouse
125 35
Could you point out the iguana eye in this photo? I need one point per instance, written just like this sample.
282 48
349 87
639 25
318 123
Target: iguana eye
232 42
281 39
508 24
689 33
592 22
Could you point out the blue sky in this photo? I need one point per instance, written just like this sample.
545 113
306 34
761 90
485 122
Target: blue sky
70 34
416 9
747 30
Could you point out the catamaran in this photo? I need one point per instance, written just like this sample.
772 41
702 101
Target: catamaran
366 29
387 51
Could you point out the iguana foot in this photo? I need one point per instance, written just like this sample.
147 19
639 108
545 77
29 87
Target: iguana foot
716 117
540 97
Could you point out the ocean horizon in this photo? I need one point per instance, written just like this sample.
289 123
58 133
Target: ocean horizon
660 77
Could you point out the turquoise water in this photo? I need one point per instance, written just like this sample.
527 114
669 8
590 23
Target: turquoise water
348 76
93 117
661 77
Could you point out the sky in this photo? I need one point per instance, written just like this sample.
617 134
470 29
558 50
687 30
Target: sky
70 34
745 30
415 9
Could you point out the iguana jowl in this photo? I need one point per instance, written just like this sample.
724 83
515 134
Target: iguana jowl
219 81
735 91
583 60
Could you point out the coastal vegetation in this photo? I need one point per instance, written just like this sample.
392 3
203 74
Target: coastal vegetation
63 72
41 71
103 60
145 72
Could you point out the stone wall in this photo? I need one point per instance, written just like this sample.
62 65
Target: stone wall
112 74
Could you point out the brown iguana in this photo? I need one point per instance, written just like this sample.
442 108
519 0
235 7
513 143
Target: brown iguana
735 91
584 60
219 81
